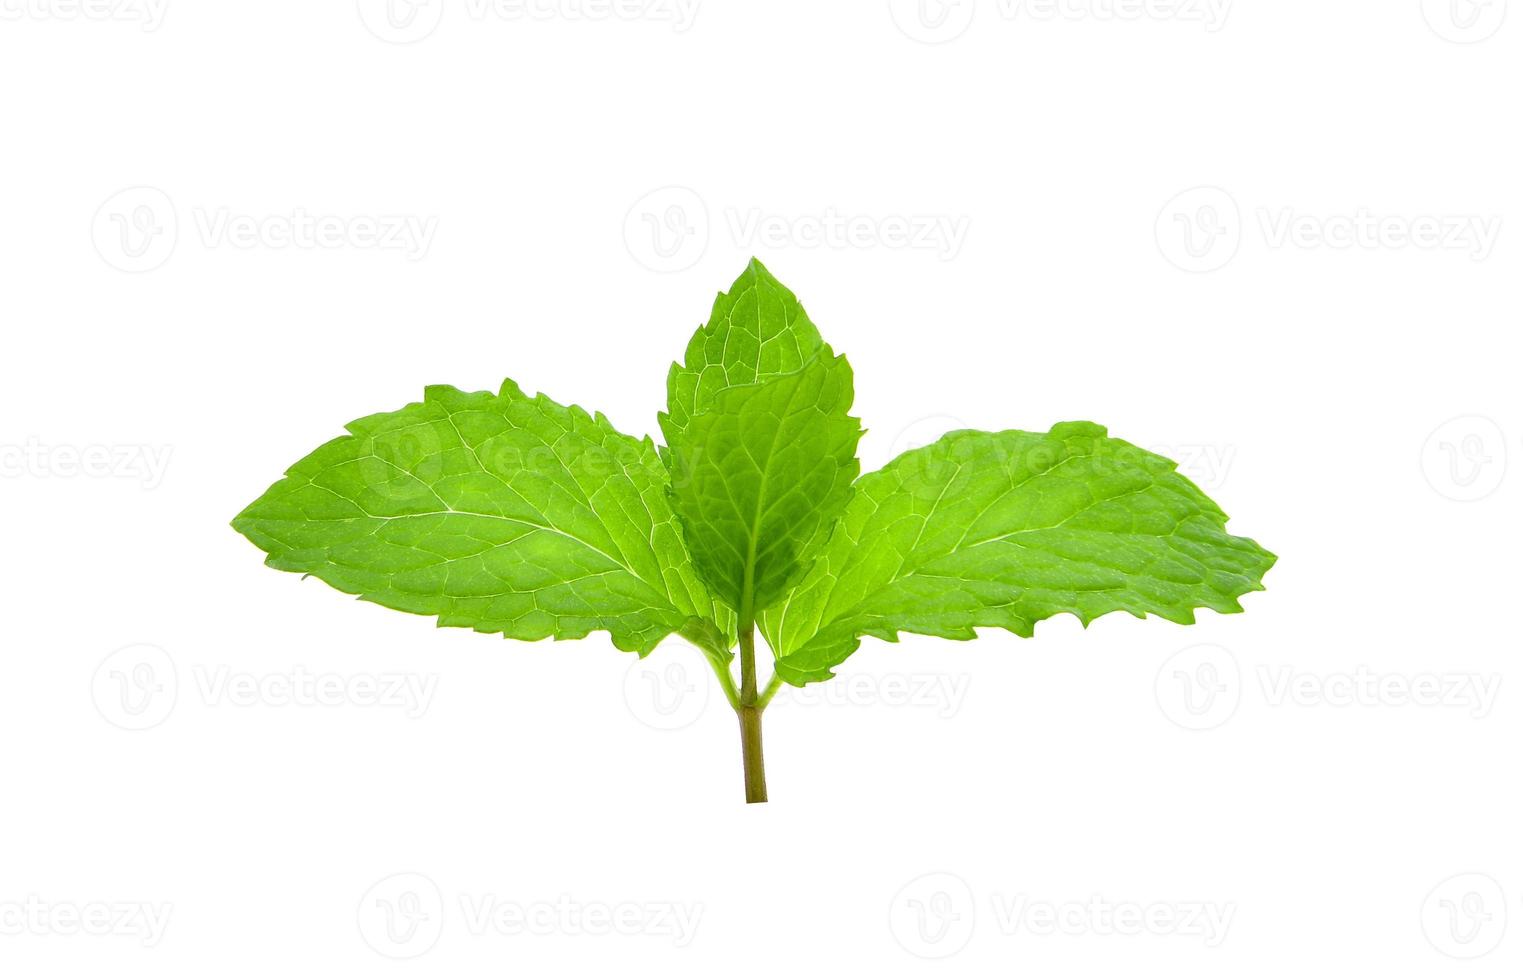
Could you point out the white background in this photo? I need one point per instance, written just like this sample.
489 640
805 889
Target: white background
1299 334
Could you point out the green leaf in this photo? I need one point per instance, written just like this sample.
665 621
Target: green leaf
503 513
756 331
760 445
759 479
1005 529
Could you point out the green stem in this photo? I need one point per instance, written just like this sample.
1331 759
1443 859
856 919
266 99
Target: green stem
748 664
726 682
772 686
750 712
751 754
717 655
747 703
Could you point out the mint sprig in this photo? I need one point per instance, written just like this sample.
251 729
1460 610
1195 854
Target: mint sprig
516 515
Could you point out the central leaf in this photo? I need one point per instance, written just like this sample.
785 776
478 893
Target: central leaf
756 331
760 442
759 480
